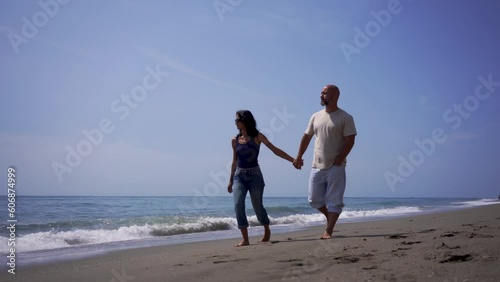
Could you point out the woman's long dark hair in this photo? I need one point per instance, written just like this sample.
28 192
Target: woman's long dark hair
248 120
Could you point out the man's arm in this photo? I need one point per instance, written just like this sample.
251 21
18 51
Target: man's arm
304 143
345 150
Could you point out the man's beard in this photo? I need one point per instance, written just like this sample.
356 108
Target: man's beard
323 102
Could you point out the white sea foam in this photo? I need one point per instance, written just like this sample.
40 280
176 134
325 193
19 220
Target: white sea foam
298 219
62 239
477 203
80 237
379 212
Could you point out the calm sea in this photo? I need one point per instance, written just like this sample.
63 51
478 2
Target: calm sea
60 228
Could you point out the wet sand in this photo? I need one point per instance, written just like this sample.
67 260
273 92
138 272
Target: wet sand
454 246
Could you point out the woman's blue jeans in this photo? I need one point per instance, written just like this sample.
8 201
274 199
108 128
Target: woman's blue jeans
249 180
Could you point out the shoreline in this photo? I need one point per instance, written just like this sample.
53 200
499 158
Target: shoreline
454 245
74 253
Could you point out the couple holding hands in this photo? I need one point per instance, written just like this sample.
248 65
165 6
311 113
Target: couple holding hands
335 132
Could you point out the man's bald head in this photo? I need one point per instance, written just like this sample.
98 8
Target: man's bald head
329 96
330 88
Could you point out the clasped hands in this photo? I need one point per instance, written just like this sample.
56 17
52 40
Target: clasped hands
298 163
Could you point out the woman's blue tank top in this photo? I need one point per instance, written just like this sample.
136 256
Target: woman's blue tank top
247 154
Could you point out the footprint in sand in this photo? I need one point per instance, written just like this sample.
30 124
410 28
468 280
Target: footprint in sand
234 260
444 246
289 260
410 242
456 258
474 235
366 255
218 256
297 262
396 236
427 231
401 249
346 259
399 252
350 248
450 234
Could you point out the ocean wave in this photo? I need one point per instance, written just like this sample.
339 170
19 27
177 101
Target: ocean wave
384 212
300 219
55 239
286 210
202 225
61 239
477 203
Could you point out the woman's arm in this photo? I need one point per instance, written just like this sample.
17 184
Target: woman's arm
233 166
277 151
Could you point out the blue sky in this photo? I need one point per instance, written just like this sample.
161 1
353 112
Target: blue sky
157 84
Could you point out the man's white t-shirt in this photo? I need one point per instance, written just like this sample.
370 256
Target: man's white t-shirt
330 130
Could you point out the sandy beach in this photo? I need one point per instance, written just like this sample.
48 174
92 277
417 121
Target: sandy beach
460 245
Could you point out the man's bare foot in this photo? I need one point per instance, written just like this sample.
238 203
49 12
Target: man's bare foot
243 243
326 236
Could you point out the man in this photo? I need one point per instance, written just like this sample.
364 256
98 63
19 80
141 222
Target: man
335 131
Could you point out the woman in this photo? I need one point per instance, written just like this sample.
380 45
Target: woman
246 175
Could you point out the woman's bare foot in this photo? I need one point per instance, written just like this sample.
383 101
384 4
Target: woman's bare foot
243 243
326 236
266 238
244 235
267 234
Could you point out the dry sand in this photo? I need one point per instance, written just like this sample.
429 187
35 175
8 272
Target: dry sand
454 246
